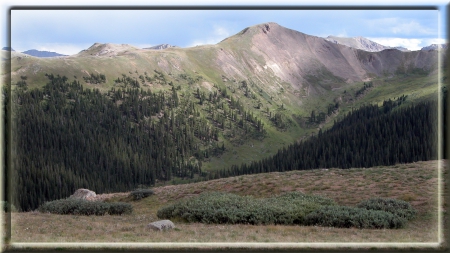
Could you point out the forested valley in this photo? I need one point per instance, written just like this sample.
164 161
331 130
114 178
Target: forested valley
367 137
65 137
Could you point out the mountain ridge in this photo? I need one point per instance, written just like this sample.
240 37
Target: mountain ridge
272 56
435 47
38 53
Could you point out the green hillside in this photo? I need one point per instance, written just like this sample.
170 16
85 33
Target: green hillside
150 117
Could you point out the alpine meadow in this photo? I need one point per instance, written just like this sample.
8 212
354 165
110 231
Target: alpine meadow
270 135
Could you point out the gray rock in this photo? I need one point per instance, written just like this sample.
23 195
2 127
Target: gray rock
161 225
83 194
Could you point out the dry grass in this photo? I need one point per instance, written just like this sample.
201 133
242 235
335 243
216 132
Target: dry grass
416 182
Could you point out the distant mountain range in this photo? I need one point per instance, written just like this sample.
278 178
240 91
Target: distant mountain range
159 47
435 47
354 42
268 54
361 43
37 53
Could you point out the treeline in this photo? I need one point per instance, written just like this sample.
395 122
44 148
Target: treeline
223 108
321 117
366 86
366 137
94 78
67 137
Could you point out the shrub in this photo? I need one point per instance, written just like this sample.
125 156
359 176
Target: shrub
118 208
141 193
345 217
394 206
216 207
84 207
62 206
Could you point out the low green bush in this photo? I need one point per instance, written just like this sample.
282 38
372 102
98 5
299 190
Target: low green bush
394 206
346 217
141 193
216 207
62 206
118 208
84 207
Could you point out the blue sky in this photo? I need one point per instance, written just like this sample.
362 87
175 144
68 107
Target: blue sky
70 31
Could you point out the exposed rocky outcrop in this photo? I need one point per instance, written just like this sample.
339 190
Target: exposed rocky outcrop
84 194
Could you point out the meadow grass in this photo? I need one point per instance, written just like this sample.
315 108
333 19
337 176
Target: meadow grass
416 183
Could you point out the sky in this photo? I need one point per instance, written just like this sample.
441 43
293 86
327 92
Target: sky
70 31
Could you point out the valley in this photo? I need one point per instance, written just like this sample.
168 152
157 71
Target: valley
266 111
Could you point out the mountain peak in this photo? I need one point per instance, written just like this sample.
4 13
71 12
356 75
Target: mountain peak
107 49
435 47
259 28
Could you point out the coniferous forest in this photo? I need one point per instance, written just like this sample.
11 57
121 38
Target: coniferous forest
369 136
67 137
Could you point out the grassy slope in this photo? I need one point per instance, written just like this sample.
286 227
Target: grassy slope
254 149
415 86
416 183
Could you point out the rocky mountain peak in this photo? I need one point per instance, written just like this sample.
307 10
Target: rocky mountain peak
106 49
434 47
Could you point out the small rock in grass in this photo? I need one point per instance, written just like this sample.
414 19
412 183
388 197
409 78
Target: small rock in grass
161 225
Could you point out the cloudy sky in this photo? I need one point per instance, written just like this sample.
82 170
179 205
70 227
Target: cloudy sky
70 31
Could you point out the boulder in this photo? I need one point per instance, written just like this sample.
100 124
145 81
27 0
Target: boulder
161 225
83 194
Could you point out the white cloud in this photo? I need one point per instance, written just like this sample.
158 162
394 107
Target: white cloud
217 35
434 41
342 34
411 27
411 44
399 26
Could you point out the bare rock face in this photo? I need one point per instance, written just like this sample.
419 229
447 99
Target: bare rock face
84 194
161 225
